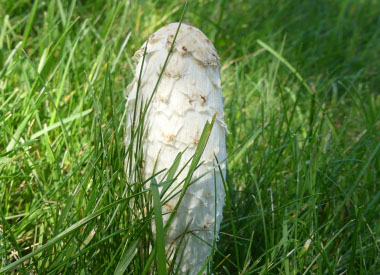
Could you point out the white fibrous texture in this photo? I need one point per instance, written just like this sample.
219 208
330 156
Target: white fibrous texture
188 95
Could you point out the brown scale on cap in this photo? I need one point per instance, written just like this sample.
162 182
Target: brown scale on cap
188 24
169 206
203 99
168 137
195 141
208 224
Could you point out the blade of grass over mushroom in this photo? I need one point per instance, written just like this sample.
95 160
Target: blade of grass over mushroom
171 173
160 233
173 169
196 158
211 256
178 254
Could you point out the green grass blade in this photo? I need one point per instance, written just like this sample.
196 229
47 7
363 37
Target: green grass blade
286 63
30 23
58 124
127 257
17 134
160 233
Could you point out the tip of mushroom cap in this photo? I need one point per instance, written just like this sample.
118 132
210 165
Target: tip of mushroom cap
187 23
189 41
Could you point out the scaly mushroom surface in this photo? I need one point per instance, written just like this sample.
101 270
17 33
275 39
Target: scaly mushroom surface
188 95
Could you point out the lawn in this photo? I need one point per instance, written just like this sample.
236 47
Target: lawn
301 81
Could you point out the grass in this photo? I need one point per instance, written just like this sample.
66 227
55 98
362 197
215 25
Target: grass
300 79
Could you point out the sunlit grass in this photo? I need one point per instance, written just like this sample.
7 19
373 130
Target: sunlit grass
300 81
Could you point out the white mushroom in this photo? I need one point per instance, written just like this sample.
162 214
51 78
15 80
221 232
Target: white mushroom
188 95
